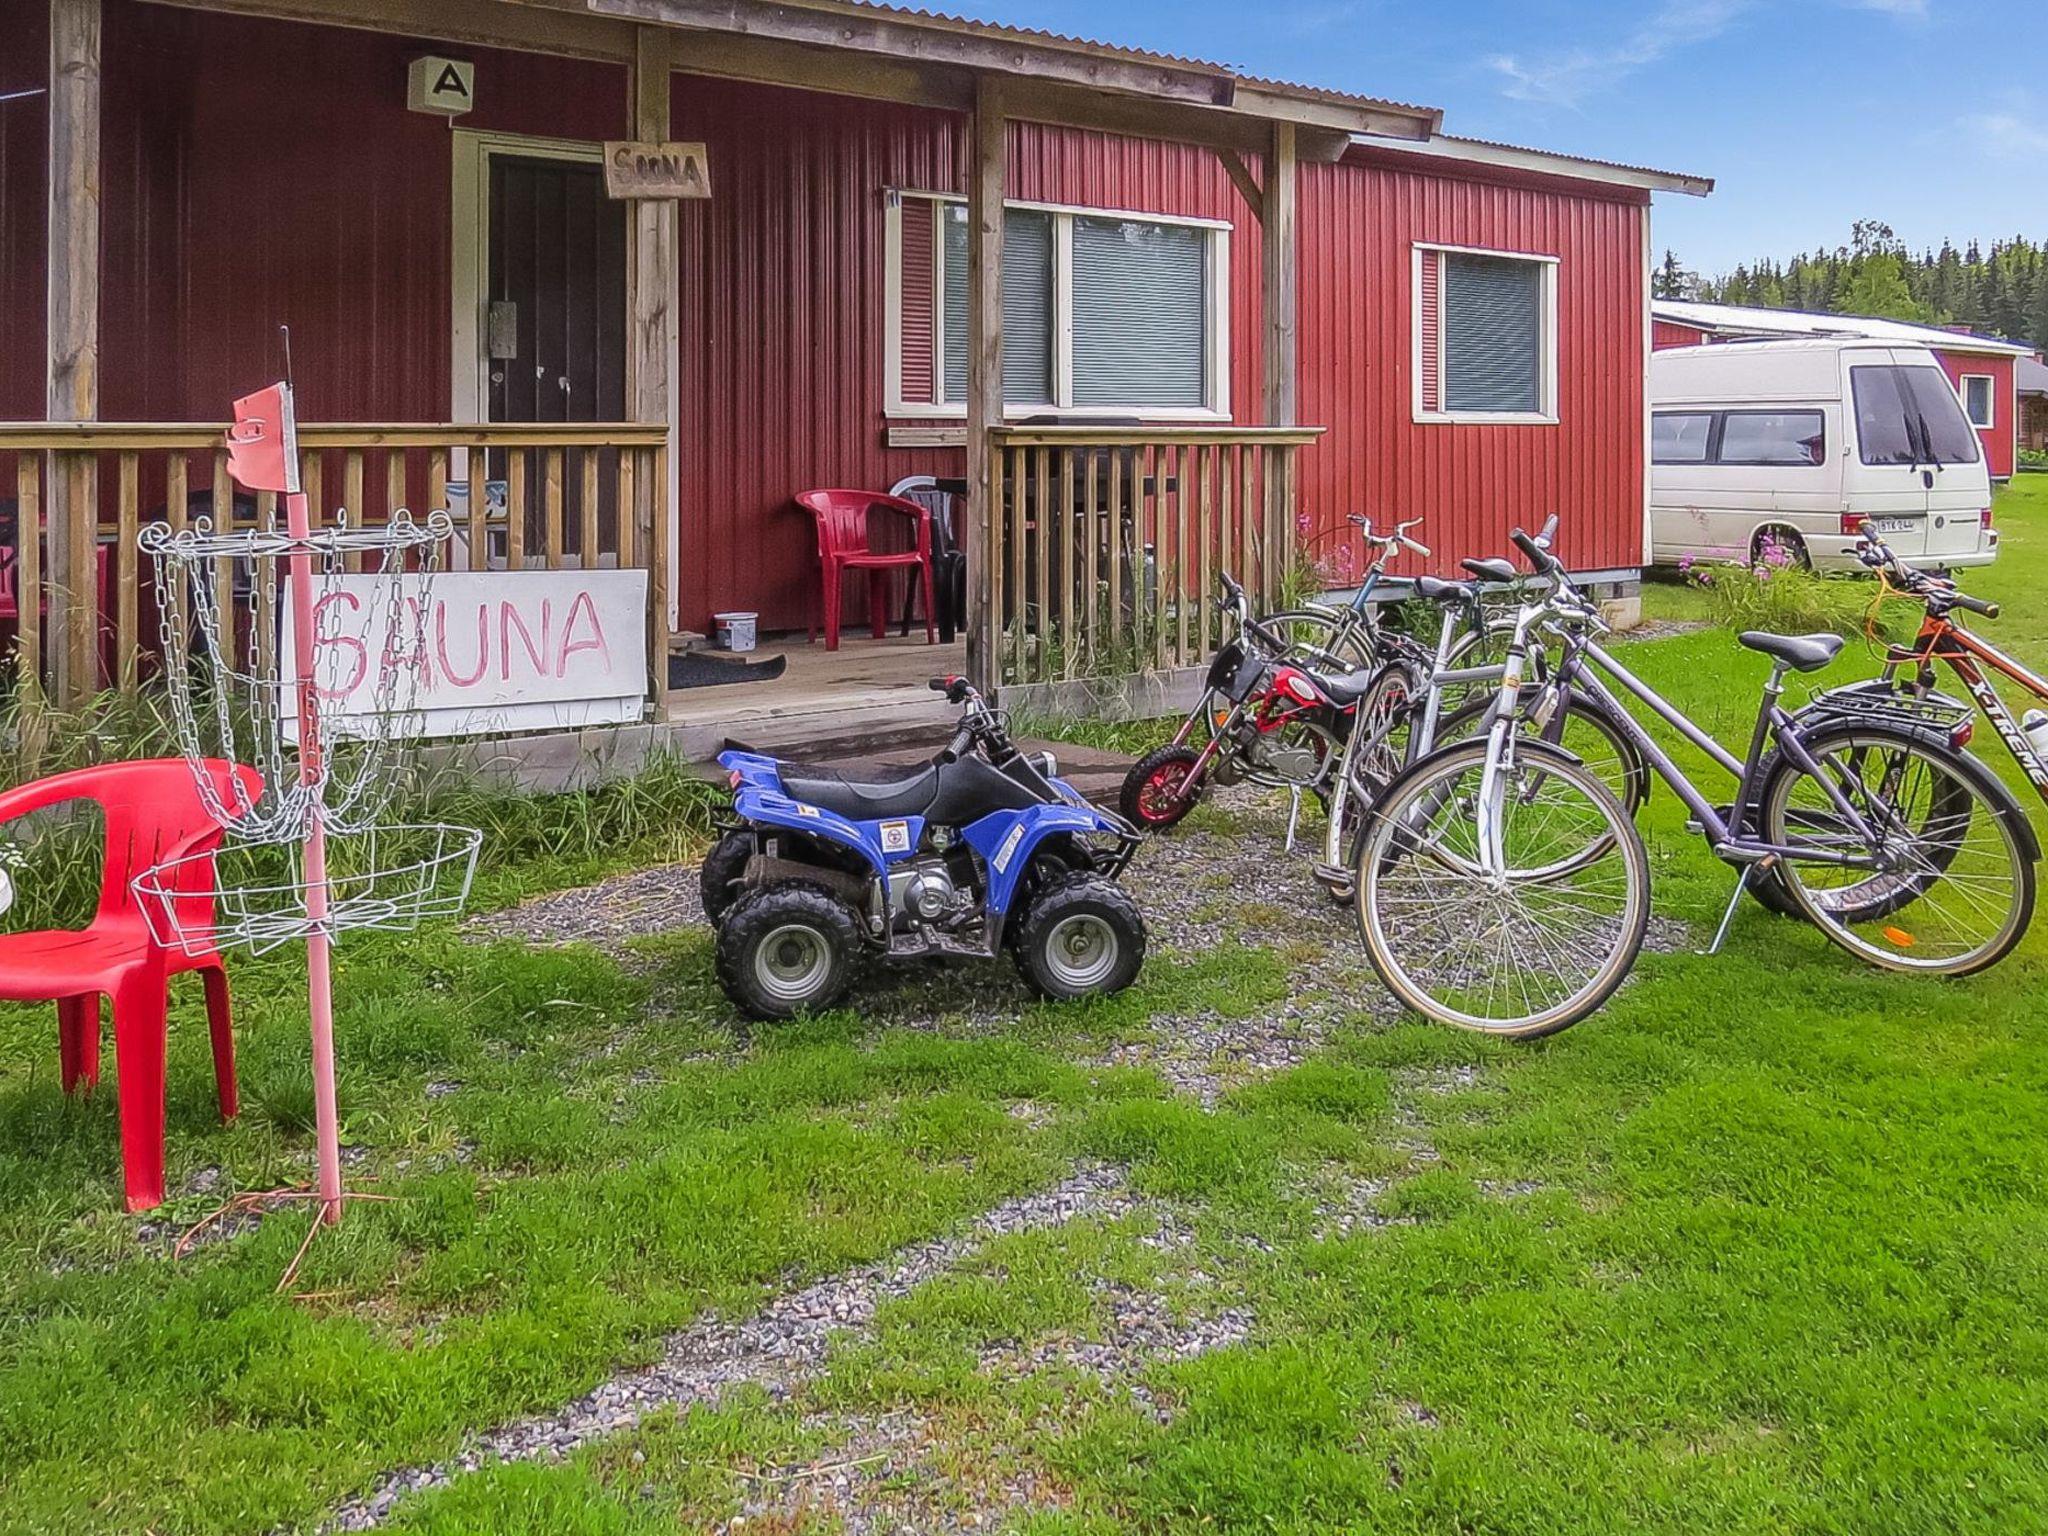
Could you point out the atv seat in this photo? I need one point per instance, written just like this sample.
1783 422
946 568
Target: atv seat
1432 590
1802 653
834 792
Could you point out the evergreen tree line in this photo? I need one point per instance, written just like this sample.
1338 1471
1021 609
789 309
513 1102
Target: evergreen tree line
2000 292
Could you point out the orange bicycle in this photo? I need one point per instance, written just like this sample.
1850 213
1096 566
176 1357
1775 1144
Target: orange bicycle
1909 670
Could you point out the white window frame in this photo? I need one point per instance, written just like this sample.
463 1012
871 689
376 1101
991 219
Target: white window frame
1546 381
1990 399
1216 325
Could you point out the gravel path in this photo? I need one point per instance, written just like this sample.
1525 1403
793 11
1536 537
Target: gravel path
786 1342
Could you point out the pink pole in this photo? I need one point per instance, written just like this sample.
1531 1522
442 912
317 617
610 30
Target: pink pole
319 959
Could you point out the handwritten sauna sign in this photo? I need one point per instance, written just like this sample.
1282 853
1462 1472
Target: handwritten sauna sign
656 170
493 651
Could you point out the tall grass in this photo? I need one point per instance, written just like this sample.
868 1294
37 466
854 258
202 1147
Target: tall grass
1776 594
662 814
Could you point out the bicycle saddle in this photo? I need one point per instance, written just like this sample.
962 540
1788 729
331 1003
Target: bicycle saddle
1431 590
1492 570
1346 688
1802 653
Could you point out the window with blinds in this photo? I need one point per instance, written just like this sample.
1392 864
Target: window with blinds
1485 334
1102 314
1140 314
1027 306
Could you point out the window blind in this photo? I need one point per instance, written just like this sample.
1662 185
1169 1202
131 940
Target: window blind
1027 305
1140 296
1493 334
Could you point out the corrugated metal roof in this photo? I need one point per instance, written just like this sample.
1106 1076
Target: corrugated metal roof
1750 320
1047 38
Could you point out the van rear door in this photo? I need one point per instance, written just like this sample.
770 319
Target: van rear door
1916 467
1884 477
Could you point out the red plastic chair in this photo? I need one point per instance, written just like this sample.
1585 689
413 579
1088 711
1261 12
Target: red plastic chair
843 546
153 814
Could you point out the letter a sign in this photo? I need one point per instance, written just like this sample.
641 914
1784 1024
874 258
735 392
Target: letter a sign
443 86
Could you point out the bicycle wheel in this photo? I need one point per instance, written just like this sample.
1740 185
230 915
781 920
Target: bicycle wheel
1375 753
1487 647
1521 953
1322 639
1588 732
1952 890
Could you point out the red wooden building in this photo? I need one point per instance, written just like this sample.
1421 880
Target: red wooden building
1247 308
1980 367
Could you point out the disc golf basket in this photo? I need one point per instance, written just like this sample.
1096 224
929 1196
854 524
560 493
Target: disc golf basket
300 651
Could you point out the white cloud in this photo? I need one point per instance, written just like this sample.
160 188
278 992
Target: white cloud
1564 77
2007 135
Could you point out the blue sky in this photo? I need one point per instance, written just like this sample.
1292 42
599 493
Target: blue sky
1808 113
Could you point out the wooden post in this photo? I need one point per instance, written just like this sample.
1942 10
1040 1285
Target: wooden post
73 245
985 182
652 284
1279 250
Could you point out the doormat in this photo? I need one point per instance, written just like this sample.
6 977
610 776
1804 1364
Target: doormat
694 671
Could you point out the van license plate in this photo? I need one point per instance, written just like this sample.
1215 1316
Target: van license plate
1896 524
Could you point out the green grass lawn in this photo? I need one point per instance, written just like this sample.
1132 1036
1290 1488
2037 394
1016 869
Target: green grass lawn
1760 1248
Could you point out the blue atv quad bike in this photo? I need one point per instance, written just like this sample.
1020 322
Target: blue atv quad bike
982 851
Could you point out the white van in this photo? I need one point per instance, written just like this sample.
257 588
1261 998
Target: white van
1802 440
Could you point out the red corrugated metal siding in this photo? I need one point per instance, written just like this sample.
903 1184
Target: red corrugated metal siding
1669 333
781 377
24 66
1359 224
1999 438
260 172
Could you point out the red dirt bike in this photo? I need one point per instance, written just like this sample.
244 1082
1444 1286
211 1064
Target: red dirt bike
1259 720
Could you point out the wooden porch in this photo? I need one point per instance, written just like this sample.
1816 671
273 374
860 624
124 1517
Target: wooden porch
1092 551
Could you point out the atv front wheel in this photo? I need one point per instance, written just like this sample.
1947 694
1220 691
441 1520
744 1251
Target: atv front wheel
1157 792
1082 937
787 949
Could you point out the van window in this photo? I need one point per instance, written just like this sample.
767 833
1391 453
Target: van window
1773 437
1909 415
1680 437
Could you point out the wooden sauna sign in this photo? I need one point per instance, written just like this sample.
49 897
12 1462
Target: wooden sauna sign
656 170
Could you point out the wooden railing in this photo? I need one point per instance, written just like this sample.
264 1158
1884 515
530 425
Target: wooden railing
75 603
1105 543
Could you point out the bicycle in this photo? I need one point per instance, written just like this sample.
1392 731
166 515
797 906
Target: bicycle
1403 715
1941 639
1501 887
1276 708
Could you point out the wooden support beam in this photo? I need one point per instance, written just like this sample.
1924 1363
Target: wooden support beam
986 179
1241 177
563 29
652 289
935 40
1280 261
73 379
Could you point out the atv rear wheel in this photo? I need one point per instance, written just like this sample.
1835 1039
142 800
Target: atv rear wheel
787 949
1156 792
718 882
1082 937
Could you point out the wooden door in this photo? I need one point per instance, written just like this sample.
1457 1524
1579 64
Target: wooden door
555 333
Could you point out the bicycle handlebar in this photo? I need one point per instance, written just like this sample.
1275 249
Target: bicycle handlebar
1544 562
1880 556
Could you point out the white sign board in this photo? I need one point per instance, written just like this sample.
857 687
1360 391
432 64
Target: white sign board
445 87
494 651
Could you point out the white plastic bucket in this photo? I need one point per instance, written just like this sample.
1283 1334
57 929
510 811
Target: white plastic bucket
735 630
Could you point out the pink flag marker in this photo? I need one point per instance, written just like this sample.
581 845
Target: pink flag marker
263 455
